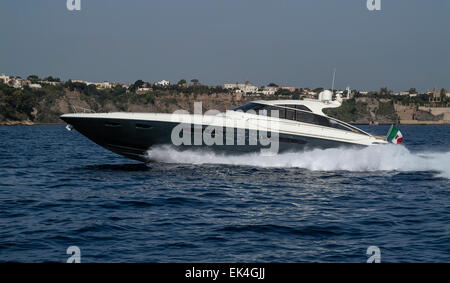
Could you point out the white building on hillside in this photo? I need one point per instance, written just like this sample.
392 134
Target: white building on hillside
143 90
4 78
17 82
269 90
310 93
245 88
49 83
81 81
230 86
163 83
103 85
289 88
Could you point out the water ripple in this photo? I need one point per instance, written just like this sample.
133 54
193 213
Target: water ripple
58 189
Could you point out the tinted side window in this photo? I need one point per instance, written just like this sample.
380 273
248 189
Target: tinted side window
337 125
311 118
276 112
244 107
268 110
305 117
299 107
290 114
282 113
249 106
302 107
323 121
264 111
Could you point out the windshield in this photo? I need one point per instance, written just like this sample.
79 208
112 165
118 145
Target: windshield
248 106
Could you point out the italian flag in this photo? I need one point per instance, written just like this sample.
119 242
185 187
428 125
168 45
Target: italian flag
394 135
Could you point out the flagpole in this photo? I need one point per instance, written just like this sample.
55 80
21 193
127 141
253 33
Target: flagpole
389 132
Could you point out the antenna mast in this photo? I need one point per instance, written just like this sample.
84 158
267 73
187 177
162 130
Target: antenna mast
334 75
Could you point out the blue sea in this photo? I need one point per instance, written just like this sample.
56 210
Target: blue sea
58 189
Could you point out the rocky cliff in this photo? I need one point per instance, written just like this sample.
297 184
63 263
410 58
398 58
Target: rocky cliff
47 104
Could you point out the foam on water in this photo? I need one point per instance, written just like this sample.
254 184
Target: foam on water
373 158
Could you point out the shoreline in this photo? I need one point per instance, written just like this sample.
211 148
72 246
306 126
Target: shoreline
27 123
422 123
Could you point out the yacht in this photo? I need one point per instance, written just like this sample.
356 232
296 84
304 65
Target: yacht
292 124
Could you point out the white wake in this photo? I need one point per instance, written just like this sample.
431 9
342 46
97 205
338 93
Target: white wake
373 158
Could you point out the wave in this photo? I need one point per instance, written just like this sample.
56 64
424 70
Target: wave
373 158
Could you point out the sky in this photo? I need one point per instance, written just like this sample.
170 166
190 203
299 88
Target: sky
289 42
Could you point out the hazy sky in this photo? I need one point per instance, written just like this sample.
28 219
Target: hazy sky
290 42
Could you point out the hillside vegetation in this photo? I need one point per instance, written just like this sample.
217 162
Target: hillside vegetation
46 104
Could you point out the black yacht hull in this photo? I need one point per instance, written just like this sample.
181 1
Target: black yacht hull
133 138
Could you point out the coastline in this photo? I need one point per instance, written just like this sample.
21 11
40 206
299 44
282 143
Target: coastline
47 107
27 123
402 123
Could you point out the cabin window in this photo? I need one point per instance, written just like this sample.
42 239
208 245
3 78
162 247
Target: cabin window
301 114
264 112
340 126
268 110
143 126
282 113
305 117
112 124
299 107
248 106
302 107
311 118
290 114
323 121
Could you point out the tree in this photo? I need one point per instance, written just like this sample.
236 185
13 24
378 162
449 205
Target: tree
412 90
137 84
51 79
318 90
33 79
91 90
384 91
443 94
181 82
272 85
283 92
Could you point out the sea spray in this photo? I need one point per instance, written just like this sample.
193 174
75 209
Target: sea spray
373 158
